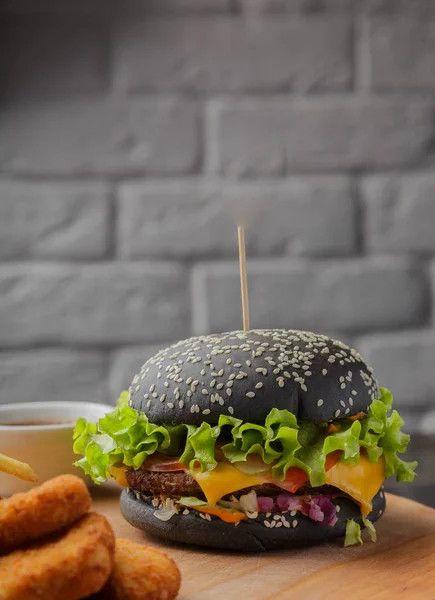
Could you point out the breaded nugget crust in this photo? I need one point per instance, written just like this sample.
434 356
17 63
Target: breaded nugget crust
43 510
141 573
66 566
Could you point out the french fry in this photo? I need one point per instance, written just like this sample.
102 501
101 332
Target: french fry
17 468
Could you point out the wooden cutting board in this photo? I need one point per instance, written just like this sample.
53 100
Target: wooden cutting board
401 565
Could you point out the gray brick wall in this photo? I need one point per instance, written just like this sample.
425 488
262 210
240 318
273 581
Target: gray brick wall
131 137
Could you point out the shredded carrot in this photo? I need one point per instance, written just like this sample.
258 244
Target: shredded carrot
228 516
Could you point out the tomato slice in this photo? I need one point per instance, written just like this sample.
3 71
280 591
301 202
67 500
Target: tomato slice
161 462
332 459
333 428
356 417
294 479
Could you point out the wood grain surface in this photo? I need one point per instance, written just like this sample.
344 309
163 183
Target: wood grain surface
401 565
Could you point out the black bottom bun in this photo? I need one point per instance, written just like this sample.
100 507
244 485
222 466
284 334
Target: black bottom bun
251 535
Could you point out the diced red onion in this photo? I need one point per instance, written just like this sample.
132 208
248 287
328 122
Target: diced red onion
315 512
265 504
289 502
322 510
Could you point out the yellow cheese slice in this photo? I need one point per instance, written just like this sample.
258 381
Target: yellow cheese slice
223 480
361 482
118 474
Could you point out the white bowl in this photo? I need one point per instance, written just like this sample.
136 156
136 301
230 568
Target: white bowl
47 448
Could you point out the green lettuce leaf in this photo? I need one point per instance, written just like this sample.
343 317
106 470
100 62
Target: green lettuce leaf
191 501
370 529
125 436
353 533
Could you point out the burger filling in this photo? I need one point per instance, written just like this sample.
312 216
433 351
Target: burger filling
236 470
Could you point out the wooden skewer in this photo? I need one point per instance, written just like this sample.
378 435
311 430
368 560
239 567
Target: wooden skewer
243 277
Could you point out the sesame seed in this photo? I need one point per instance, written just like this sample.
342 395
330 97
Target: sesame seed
189 393
148 403
272 524
231 410
219 386
351 401
277 517
341 379
206 411
266 523
337 508
304 387
230 383
170 405
342 404
279 524
238 365
155 395
337 413
181 403
152 387
250 394
220 373
343 386
204 392
162 397
354 392
319 402
212 383
293 513
202 372
229 361
259 385
146 396
286 524
229 391
324 371
308 373
294 523
185 511
221 400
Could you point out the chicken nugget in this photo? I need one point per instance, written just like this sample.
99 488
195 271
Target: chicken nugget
65 566
141 573
43 510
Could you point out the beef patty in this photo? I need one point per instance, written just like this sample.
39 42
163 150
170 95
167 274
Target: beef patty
179 483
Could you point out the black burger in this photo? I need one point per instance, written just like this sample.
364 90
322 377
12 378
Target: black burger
250 441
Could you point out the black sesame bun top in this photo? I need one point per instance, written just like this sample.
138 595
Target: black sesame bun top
246 374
